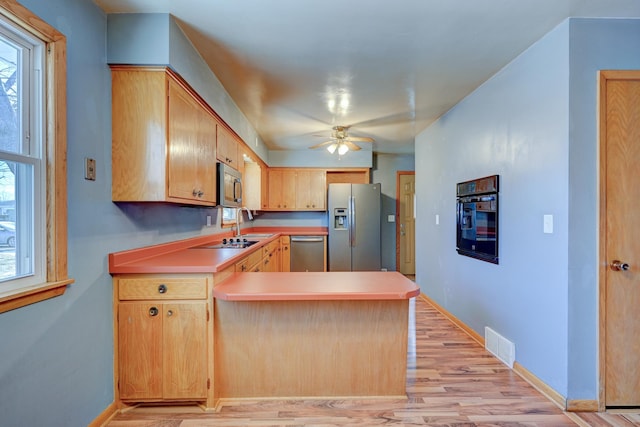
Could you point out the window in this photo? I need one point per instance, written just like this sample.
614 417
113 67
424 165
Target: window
33 243
229 216
22 171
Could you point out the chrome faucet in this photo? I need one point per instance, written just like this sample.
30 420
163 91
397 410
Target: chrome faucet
238 215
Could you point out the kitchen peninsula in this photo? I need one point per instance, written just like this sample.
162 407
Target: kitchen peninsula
210 333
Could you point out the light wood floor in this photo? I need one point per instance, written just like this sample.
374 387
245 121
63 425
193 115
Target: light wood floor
451 381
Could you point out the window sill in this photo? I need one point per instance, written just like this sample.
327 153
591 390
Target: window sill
23 297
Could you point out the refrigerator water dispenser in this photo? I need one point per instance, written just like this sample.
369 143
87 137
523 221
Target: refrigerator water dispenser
340 219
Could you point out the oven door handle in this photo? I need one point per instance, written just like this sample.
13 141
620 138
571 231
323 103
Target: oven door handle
474 199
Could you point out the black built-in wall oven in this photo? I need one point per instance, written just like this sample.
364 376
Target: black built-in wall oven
477 218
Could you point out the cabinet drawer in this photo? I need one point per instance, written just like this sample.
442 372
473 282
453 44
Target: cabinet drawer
162 288
242 266
254 258
267 249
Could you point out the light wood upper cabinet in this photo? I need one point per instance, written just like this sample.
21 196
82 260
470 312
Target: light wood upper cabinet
282 189
227 151
191 161
163 139
297 189
311 193
264 184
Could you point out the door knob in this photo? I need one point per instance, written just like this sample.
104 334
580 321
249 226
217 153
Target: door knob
617 265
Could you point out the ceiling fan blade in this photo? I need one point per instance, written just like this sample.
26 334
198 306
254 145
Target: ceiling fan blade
359 138
351 145
322 144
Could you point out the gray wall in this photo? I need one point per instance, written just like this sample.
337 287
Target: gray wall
596 44
514 125
534 123
56 357
384 172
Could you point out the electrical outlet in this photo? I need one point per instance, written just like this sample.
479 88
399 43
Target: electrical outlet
89 169
208 220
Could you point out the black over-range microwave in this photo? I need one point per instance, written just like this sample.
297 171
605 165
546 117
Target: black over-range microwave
229 186
477 218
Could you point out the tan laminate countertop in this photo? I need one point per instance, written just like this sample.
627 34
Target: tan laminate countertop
316 286
184 256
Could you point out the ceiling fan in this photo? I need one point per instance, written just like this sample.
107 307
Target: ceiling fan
341 141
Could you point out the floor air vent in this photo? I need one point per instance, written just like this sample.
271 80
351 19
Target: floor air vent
499 346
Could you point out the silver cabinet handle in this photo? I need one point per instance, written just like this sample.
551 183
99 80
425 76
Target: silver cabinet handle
617 265
153 311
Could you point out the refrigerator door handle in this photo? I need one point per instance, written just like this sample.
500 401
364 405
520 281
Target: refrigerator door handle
352 220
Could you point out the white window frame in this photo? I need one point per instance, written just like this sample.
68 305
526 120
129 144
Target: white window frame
52 225
31 190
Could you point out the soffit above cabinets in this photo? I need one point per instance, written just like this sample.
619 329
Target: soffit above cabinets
387 69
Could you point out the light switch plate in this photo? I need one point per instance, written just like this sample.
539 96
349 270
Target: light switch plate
548 224
391 218
89 169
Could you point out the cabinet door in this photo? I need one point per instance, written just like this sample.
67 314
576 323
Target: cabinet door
227 147
188 148
277 261
140 350
285 257
275 189
184 346
303 189
318 190
311 190
282 189
205 160
264 186
139 114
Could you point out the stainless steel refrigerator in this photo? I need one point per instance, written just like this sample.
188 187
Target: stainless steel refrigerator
354 227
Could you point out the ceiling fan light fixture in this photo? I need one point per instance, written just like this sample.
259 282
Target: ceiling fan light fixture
332 148
342 149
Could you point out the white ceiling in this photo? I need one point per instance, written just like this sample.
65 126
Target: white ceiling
386 68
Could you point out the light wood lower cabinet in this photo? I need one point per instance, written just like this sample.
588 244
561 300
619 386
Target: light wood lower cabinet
162 350
271 257
250 262
164 336
266 258
285 254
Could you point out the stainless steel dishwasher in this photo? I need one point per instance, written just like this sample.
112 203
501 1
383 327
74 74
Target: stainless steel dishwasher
307 253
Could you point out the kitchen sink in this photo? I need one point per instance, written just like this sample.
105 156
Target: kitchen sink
256 236
231 244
